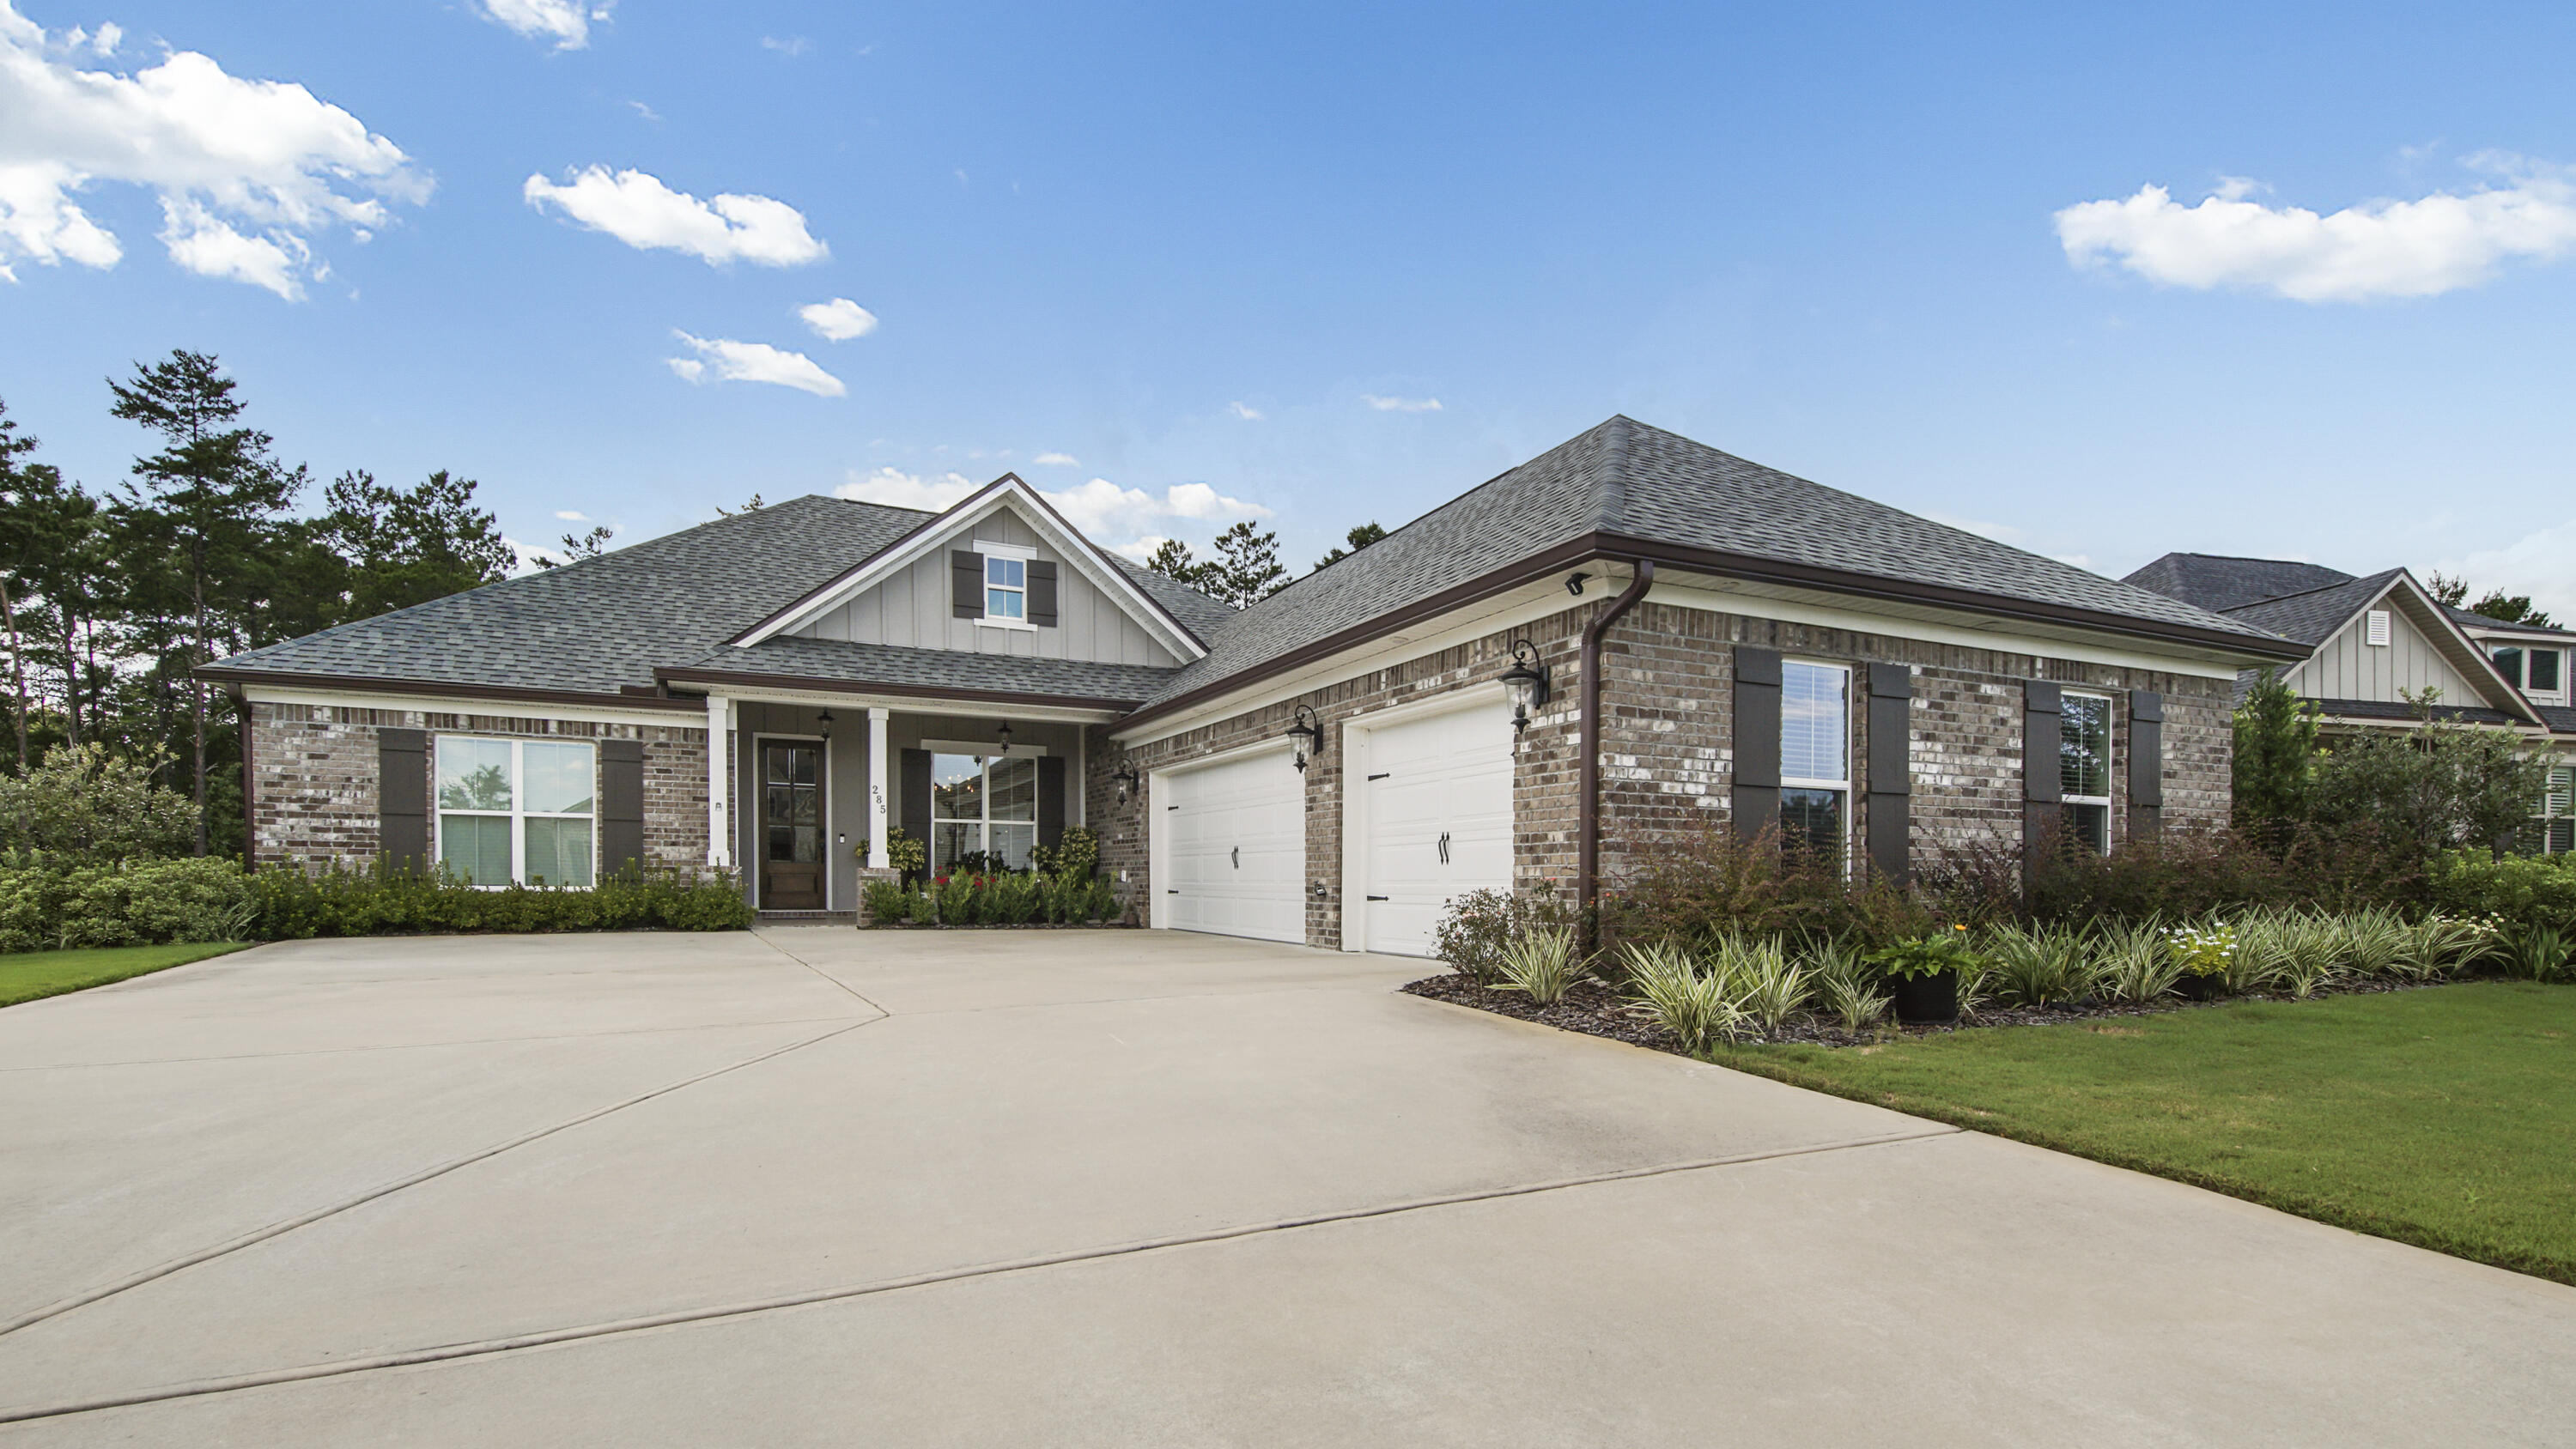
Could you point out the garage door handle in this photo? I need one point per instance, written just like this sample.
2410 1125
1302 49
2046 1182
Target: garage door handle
1238 857
1377 898
1382 774
1444 847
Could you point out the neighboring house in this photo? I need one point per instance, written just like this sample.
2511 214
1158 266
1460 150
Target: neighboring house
1720 643
2374 641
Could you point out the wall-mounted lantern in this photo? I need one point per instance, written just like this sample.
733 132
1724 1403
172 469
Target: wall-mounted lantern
1125 779
1003 735
1526 681
823 723
1305 738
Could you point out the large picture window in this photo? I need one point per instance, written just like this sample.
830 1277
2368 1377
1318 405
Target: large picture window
2084 767
983 811
1815 758
516 810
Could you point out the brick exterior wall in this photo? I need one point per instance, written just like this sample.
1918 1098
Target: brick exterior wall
1667 748
313 772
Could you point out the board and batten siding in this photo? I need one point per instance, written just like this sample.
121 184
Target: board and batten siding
2348 666
913 608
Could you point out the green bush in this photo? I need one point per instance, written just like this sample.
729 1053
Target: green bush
2526 890
45 906
293 905
1006 899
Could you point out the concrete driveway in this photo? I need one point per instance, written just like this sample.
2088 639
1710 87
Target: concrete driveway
819 1186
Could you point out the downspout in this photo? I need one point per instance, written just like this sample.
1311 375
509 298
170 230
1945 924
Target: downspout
1587 868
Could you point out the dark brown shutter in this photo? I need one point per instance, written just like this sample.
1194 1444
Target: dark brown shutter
2146 764
2043 766
1757 740
916 794
966 577
1891 771
402 799
1050 801
621 807
1042 593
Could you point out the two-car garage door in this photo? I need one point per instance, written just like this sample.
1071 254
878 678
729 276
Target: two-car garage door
1429 816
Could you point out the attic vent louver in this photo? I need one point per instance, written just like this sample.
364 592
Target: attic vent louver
2374 626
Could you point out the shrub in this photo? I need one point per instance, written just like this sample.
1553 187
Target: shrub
2533 953
1762 978
1692 1005
1542 964
2137 963
1847 988
293 905
1481 925
83 804
2528 890
1702 886
44 906
2037 965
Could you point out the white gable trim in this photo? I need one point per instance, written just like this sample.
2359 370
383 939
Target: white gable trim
1078 552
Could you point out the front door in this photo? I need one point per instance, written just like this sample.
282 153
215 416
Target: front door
791 825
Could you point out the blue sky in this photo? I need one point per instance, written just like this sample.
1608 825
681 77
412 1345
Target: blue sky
1239 254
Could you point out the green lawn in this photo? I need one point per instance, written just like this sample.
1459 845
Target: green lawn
51 973
2443 1117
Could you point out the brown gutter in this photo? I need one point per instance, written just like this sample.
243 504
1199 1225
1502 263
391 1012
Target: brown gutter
1591 546
812 684
250 798
441 689
1587 856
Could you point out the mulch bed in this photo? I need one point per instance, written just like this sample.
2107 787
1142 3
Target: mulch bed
1596 1010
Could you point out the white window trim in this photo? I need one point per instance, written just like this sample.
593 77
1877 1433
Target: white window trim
2545 696
518 813
2110 747
1843 786
986 755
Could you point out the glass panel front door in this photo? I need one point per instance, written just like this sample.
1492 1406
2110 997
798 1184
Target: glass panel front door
791 825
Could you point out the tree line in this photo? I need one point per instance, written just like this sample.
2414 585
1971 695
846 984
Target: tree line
111 597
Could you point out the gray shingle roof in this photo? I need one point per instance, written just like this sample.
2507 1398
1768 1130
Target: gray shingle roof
2467 620
2312 617
840 661
2219 583
604 623
1624 477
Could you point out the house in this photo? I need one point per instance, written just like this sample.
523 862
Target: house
2373 641
1630 635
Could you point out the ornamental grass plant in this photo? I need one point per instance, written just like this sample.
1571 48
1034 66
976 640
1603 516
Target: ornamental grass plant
1543 964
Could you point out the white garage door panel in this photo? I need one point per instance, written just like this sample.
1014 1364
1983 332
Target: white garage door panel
1235 849
1439 822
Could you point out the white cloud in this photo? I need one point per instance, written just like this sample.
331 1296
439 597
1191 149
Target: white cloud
790 48
1248 414
1100 509
1140 549
2535 563
2376 249
906 490
640 211
647 112
246 171
1402 404
572 515
565 22
731 361
1057 460
838 320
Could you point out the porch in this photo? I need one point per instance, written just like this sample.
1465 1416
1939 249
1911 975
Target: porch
810 783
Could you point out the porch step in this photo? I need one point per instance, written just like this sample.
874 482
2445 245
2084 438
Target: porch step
807 918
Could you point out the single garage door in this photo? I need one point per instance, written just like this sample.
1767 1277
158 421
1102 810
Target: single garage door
1234 848
1437 821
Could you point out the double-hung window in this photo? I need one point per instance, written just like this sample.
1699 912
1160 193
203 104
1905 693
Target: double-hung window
983 811
1815 758
1006 587
2553 829
2084 768
516 810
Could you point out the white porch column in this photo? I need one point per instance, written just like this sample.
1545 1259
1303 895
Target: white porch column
877 788
719 775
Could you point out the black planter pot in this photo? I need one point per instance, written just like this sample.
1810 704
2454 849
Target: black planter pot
1933 998
2199 988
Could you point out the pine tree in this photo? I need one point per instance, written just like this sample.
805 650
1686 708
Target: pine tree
197 519
2276 748
1246 569
1171 558
399 547
1358 538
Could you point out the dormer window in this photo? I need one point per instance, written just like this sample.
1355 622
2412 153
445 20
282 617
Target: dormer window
2541 671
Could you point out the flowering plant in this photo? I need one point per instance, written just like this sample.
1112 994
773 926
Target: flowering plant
1928 956
2203 952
